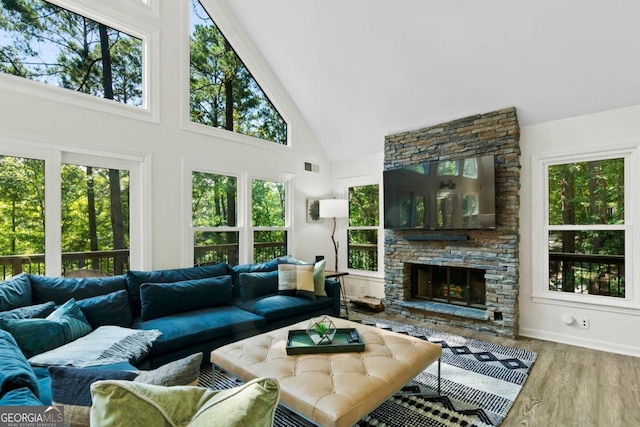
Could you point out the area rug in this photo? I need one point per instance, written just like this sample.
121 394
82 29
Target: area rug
479 380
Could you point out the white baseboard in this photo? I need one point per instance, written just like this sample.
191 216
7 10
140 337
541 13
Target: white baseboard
580 342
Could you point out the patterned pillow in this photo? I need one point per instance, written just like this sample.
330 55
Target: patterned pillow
35 336
296 280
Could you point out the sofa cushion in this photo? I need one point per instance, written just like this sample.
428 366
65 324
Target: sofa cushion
274 307
165 299
109 309
184 371
260 267
296 279
186 329
251 404
35 336
60 289
30 311
15 371
136 278
15 292
254 285
318 272
20 397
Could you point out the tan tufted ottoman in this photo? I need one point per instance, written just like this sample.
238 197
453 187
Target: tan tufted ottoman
331 389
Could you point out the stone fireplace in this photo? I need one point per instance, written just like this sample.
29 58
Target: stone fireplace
464 278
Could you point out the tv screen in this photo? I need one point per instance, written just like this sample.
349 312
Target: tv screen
443 195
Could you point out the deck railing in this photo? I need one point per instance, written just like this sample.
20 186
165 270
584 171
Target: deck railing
587 274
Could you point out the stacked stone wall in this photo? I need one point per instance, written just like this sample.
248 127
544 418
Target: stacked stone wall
495 251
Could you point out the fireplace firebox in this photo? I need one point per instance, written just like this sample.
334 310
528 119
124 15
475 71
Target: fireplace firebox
451 285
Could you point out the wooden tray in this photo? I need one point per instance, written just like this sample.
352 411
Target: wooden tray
298 342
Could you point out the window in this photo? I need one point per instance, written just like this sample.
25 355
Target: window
214 218
223 93
586 207
63 211
268 219
219 218
47 43
585 230
363 229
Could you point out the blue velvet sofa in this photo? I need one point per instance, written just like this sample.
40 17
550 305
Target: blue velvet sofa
196 310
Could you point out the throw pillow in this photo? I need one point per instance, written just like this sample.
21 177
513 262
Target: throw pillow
30 311
60 289
180 372
15 292
254 285
165 299
109 309
15 371
135 279
35 336
71 387
252 404
20 397
318 272
296 280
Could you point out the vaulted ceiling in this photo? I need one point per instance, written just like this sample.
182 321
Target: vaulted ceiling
361 69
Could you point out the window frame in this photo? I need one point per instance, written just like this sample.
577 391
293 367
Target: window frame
145 29
54 158
244 225
343 235
541 228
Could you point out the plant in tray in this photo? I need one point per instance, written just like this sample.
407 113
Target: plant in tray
321 331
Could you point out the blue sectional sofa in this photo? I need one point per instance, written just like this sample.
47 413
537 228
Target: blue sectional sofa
196 309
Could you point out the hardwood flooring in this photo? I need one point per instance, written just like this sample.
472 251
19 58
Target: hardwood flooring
568 386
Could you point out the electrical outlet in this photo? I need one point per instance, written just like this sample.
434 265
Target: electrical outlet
584 323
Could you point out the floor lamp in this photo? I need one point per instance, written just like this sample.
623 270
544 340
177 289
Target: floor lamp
334 208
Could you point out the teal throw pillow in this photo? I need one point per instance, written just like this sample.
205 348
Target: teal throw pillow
35 336
15 292
165 299
30 311
254 285
109 309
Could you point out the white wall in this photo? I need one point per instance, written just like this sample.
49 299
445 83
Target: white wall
50 117
610 329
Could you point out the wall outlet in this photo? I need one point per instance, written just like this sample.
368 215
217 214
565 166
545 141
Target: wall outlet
584 323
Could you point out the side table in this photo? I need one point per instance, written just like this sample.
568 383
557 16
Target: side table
339 276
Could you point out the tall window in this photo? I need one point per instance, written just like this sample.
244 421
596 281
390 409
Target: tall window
95 219
214 218
268 219
61 212
364 222
21 216
586 227
224 94
44 42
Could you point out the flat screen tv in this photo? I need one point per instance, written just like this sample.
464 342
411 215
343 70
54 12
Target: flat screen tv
443 195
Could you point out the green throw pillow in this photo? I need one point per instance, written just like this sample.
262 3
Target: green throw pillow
128 403
35 336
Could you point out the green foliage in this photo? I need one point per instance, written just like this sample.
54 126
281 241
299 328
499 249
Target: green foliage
268 203
223 92
214 199
364 211
56 46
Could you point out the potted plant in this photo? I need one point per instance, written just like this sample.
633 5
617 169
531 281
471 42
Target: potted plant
321 331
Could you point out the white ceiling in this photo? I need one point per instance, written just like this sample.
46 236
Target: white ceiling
361 69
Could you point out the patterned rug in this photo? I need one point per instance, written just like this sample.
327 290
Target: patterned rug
480 381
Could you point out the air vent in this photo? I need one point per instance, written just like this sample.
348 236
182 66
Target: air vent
310 167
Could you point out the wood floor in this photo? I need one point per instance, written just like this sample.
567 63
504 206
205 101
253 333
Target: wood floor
568 386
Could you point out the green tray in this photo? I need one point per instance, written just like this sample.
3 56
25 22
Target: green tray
298 342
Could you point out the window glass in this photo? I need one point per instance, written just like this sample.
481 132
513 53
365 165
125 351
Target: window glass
46 43
212 247
268 218
362 233
223 93
586 238
95 219
21 216
448 167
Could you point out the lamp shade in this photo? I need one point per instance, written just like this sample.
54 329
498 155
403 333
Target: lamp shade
334 208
